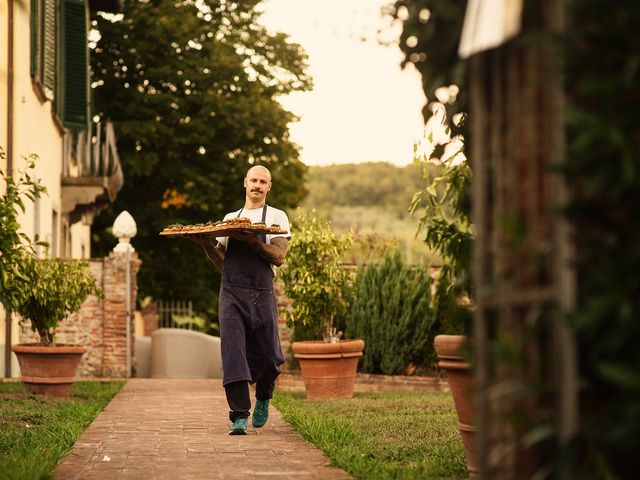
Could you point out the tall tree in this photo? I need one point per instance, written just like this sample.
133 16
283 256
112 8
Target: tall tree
192 87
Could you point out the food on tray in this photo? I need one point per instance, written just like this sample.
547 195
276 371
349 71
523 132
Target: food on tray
238 221
221 229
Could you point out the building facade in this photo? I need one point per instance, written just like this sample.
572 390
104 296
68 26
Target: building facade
45 110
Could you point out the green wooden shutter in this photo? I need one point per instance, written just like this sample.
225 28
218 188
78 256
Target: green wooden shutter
49 50
33 13
75 74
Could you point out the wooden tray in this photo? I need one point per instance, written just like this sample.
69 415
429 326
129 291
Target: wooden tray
224 230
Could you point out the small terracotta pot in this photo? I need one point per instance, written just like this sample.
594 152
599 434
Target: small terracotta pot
49 370
328 369
450 350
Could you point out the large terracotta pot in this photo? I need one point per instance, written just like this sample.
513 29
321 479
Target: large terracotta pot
328 369
450 350
50 370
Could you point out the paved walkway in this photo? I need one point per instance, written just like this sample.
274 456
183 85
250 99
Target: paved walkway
177 429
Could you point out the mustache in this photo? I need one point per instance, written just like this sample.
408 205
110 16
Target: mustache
256 189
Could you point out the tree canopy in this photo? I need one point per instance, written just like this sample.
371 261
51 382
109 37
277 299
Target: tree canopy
192 87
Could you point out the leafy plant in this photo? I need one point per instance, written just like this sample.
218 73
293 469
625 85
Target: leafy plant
15 246
444 207
314 278
392 311
56 288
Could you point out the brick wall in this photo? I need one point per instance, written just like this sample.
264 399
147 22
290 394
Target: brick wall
100 325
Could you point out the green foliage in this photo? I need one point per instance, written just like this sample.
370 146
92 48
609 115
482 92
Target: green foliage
603 168
192 88
444 209
443 200
15 246
379 436
436 26
55 289
314 278
36 432
392 311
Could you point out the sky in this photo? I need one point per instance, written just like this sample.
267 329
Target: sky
363 106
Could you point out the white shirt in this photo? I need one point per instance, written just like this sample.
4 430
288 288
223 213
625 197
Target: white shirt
255 215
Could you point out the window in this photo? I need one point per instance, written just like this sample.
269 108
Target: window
60 58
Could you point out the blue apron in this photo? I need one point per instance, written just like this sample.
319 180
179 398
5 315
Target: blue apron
248 316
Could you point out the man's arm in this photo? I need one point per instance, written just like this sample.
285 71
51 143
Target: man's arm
215 253
274 252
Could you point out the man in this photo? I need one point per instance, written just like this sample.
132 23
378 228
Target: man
247 310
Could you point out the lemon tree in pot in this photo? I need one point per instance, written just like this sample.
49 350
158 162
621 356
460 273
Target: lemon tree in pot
56 289
42 291
316 282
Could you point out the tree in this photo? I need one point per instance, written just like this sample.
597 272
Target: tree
192 88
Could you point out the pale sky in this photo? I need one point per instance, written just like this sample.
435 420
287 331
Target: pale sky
363 107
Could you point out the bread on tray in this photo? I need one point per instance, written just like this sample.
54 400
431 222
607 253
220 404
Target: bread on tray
222 229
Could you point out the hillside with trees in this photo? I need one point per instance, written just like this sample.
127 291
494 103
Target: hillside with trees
371 199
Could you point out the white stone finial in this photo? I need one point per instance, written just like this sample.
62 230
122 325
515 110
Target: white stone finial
124 229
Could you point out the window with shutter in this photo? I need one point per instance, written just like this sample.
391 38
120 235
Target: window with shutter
43 46
74 72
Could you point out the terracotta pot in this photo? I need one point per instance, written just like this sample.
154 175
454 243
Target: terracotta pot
50 370
450 350
328 369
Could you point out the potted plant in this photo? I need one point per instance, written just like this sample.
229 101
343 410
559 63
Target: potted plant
316 281
445 219
43 291
56 289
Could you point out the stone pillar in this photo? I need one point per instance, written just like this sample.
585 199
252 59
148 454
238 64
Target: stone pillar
114 356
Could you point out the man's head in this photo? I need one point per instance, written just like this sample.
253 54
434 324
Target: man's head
257 183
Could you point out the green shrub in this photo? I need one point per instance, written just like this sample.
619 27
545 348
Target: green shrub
15 245
393 312
56 289
314 279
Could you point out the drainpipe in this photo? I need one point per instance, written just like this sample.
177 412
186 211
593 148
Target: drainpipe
8 319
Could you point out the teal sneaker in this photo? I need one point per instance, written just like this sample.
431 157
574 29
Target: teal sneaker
239 427
260 413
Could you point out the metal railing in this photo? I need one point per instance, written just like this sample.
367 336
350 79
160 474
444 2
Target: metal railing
176 314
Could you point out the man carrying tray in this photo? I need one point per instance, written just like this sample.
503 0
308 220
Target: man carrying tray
247 310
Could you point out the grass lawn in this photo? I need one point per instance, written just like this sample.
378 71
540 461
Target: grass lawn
36 431
404 435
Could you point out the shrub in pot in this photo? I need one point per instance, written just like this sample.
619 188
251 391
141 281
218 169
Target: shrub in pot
316 282
43 291
56 289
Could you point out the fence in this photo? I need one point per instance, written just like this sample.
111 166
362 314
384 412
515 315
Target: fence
176 314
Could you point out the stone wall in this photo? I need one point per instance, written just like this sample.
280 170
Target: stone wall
100 325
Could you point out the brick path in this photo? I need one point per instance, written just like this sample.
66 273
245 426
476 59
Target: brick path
177 429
